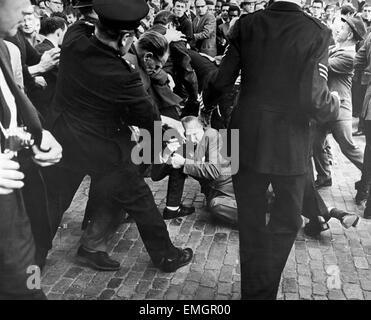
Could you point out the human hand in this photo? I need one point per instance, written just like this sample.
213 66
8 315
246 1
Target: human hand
49 60
171 82
10 176
336 94
174 36
177 161
40 82
172 146
52 153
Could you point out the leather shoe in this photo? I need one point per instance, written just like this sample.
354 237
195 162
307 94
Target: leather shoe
98 260
183 257
320 183
181 212
314 228
347 219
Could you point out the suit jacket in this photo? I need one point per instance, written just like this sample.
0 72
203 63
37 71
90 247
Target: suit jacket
282 55
98 95
43 97
204 34
209 167
34 192
340 75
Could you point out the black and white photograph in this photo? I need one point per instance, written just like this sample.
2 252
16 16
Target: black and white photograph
182 156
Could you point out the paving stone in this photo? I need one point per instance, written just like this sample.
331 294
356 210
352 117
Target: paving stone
361 263
305 293
114 283
353 291
336 295
143 286
62 285
73 272
204 293
107 294
160 284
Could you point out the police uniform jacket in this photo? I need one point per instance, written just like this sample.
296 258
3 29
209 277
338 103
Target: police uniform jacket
98 95
282 54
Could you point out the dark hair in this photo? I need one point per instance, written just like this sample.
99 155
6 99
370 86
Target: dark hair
164 17
318 1
153 42
346 9
85 11
224 4
51 25
209 2
59 15
71 10
233 7
182 1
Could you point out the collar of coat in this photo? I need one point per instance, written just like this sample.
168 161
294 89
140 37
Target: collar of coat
284 6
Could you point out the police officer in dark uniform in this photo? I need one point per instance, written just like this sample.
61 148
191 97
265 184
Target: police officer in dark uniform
98 96
282 54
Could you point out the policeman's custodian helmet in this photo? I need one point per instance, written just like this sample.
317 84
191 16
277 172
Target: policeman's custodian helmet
121 14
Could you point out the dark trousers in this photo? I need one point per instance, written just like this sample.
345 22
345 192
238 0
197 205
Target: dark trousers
366 169
264 248
313 204
175 184
17 250
121 188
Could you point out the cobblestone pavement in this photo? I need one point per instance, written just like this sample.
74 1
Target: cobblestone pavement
335 266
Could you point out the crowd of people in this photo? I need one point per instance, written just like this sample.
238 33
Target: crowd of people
84 83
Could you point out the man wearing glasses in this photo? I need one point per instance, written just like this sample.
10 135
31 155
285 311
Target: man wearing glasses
53 6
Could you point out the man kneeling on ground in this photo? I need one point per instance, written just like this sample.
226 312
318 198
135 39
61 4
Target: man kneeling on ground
206 164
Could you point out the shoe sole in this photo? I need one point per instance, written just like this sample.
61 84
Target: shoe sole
93 265
351 221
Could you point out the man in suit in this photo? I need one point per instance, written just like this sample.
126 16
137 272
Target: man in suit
206 163
91 118
204 30
282 54
17 246
341 70
53 29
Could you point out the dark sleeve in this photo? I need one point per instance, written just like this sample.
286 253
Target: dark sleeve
315 97
188 30
223 80
32 56
139 108
78 29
